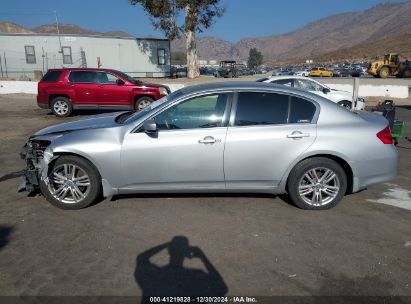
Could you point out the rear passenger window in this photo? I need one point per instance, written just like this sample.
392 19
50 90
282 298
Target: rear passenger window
51 76
261 109
301 111
82 77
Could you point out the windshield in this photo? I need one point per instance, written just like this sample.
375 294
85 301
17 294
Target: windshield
129 78
137 115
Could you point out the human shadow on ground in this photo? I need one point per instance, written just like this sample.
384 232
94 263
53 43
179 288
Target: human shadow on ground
5 232
174 279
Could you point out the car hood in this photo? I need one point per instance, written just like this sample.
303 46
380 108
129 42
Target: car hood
156 85
92 122
339 91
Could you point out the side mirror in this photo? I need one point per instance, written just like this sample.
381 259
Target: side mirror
119 81
150 126
326 90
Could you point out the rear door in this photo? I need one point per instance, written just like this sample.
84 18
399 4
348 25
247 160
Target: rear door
86 90
267 132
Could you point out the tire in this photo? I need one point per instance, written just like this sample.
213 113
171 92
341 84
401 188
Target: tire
384 72
300 177
86 180
61 106
345 103
142 102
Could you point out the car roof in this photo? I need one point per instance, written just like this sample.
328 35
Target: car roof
245 85
83 69
288 77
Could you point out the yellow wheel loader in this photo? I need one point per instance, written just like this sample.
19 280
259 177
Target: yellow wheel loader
390 66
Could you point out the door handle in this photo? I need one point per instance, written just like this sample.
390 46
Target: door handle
298 134
208 140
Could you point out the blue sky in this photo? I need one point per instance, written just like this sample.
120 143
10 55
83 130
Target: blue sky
243 18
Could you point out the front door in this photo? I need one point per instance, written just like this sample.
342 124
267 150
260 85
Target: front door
185 153
268 134
112 94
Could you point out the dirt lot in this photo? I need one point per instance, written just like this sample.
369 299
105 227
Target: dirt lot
252 245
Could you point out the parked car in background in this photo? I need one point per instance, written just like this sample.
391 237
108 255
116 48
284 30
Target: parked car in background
304 73
208 71
320 72
227 69
342 98
178 71
276 72
282 71
65 90
277 140
341 72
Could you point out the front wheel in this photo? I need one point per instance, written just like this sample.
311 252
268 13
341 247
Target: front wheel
317 184
142 102
384 72
72 183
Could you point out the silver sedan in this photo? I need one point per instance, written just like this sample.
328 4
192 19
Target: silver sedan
221 137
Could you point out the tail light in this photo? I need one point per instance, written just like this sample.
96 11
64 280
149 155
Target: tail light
385 136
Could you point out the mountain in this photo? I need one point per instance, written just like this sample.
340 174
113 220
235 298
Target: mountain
355 35
325 36
8 27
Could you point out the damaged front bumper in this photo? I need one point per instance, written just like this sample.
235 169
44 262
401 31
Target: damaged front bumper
37 157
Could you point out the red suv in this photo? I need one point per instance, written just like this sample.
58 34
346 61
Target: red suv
65 90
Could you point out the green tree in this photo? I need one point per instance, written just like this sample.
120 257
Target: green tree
198 15
255 58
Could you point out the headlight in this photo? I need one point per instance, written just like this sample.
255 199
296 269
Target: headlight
47 155
163 91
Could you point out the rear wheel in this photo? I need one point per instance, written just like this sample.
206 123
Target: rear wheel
317 184
72 183
384 72
61 106
142 102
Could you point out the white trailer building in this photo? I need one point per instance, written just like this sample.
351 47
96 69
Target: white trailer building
27 56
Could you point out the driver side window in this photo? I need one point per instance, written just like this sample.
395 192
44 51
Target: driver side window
105 78
199 112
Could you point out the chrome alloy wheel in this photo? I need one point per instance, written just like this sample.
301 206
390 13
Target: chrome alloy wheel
319 186
69 183
61 107
142 104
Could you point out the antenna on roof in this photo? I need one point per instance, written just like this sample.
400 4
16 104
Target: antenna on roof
58 31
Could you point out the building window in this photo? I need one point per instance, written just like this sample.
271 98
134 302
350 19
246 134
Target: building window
30 54
161 54
67 55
